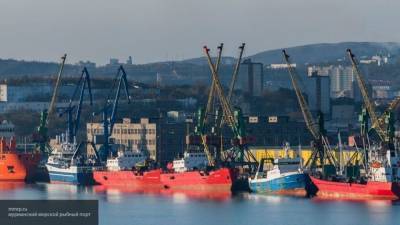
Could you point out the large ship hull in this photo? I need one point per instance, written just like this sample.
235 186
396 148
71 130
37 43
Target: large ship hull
370 190
131 179
71 175
217 180
18 167
286 184
220 179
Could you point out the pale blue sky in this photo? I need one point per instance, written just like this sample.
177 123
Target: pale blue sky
153 30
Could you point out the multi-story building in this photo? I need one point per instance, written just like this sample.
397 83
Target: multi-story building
318 91
251 80
341 79
132 134
162 138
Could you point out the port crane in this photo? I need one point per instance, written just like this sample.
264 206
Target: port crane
321 151
383 125
233 119
41 137
73 121
211 138
202 117
109 119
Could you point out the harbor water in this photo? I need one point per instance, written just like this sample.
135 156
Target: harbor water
125 207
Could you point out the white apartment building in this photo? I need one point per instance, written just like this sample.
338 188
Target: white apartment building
341 79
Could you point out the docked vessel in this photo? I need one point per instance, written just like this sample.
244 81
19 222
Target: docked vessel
67 165
281 176
125 160
14 165
215 180
382 181
121 171
188 173
129 178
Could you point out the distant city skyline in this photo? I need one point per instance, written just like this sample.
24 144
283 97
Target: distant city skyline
161 30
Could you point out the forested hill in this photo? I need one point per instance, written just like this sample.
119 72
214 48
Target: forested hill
313 54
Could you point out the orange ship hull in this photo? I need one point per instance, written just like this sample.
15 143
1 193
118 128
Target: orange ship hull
218 180
15 166
132 179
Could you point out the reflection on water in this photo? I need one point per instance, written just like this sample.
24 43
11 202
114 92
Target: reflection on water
175 194
147 207
269 199
4 186
367 202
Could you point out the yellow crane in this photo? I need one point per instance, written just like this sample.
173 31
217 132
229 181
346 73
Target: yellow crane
377 123
210 100
42 137
232 119
56 87
235 72
212 89
321 150
392 106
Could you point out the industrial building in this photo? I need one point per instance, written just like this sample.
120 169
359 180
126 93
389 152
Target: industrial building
134 135
277 130
163 138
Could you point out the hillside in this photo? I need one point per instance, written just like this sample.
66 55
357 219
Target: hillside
321 53
196 68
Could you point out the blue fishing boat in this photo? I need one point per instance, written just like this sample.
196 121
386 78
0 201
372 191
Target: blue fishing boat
67 164
280 176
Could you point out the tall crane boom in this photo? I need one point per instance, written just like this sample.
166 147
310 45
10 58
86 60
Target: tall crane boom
85 78
228 114
381 120
202 117
73 123
322 150
122 81
233 120
212 89
367 101
56 87
311 124
235 72
109 121
234 78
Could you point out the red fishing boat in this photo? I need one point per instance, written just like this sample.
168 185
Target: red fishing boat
382 181
184 174
215 180
347 190
14 165
133 179
218 180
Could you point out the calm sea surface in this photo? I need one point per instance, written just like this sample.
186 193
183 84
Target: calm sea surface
127 207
